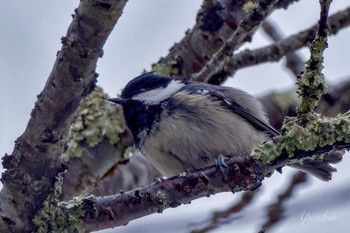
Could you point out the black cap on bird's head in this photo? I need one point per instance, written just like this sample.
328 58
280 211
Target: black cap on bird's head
148 88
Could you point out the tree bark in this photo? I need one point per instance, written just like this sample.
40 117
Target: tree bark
33 169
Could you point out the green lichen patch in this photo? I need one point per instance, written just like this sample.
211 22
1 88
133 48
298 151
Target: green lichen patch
320 131
63 218
311 83
96 119
166 69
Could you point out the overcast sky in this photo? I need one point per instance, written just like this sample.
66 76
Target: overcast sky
30 38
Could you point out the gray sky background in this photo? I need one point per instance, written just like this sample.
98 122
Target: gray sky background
30 38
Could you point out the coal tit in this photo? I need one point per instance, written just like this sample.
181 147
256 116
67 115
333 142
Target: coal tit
182 125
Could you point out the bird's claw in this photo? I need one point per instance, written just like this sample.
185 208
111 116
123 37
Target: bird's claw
220 163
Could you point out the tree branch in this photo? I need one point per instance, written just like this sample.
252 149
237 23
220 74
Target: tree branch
278 50
116 210
217 217
245 27
311 84
35 165
216 22
275 211
293 61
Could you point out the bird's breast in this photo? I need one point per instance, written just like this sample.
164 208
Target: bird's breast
191 133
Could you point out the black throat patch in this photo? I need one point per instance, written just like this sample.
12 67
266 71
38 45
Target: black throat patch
140 119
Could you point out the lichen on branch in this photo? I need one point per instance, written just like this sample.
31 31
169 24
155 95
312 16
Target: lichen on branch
320 132
309 131
96 119
311 83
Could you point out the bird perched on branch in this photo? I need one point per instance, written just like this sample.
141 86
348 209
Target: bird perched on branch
182 125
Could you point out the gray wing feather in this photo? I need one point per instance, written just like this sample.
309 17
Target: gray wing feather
233 99
244 113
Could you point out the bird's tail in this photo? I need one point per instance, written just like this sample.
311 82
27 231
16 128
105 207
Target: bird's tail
321 168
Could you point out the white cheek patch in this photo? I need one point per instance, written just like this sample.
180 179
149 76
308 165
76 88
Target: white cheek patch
155 96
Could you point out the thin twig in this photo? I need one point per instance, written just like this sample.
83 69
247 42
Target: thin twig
246 200
293 61
275 211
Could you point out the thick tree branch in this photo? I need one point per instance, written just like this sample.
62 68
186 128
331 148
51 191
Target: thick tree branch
116 210
35 165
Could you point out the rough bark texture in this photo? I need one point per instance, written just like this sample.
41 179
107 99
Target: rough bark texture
35 164
216 22
86 173
246 27
116 210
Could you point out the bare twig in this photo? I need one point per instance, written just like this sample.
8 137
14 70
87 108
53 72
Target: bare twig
323 29
246 199
293 61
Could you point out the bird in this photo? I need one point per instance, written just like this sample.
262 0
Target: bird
184 125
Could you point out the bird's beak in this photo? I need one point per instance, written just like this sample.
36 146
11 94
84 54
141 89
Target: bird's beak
120 101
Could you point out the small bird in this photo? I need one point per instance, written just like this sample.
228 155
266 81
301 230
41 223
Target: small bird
182 125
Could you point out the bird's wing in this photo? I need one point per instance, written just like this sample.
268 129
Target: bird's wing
235 107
